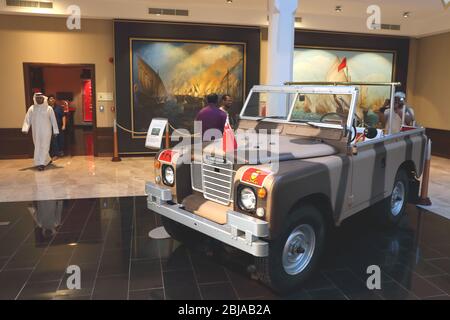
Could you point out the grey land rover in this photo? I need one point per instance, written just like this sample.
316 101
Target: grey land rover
325 166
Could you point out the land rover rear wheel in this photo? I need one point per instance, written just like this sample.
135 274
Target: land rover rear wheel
392 209
294 255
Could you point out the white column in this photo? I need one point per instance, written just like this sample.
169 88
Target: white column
280 47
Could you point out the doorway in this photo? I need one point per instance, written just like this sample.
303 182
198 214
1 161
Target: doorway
73 86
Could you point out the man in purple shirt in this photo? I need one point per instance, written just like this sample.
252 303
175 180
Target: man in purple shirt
211 116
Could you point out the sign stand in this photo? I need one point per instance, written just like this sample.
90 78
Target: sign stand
156 132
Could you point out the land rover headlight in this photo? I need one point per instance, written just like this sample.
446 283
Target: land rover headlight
247 199
168 175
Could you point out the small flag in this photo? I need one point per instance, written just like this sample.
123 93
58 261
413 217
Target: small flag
343 64
229 142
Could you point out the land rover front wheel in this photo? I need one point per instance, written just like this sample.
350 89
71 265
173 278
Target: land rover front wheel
294 255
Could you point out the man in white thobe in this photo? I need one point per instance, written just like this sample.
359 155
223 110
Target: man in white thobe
41 117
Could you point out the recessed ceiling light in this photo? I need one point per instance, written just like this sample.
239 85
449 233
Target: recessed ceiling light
338 9
406 14
229 1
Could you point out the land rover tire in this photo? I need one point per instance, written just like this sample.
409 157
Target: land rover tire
180 232
294 255
392 209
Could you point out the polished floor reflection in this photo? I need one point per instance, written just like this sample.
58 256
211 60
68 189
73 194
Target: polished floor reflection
108 239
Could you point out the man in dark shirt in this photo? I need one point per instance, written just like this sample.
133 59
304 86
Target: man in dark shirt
57 147
211 116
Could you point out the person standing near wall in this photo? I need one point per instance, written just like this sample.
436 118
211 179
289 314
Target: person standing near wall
57 147
41 118
225 105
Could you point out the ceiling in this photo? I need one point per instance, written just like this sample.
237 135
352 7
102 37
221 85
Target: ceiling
427 17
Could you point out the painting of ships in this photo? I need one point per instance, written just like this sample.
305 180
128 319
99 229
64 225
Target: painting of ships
171 90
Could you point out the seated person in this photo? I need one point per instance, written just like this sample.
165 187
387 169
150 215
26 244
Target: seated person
370 118
399 107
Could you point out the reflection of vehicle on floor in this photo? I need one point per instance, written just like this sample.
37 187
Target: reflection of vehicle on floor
330 168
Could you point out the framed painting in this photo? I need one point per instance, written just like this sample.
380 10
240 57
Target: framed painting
170 79
340 65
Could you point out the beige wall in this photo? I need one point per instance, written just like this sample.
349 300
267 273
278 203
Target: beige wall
429 81
46 40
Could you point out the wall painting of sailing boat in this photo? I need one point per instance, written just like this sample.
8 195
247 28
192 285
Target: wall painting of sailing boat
170 79
321 64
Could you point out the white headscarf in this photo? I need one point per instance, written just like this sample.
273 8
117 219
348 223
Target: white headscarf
44 104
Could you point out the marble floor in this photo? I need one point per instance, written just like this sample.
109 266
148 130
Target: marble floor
96 177
439 189
108 240
74 178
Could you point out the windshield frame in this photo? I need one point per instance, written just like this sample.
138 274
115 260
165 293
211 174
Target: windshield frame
304 89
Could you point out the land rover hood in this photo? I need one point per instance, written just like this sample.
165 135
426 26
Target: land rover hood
289 148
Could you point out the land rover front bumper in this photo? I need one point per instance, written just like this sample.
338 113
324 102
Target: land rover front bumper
240 231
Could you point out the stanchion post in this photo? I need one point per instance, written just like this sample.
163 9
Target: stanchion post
167 136
424 199
116 157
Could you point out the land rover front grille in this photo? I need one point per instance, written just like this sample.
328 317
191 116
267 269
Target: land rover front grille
217 181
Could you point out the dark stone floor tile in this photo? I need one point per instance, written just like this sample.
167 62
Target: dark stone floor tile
12 282
441 298
50 268
114 263
208 271
145 275
351 285
181 285
26 257
430 268
443 264
218 291
111 288
247 287
421 287
177 260
393 291
427 253
318 281
146 248
442 282
154 294
327 294
71 297
39 291
444 249
87 253
3 262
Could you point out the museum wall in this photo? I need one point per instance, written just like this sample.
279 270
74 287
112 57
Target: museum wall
46 40
430 94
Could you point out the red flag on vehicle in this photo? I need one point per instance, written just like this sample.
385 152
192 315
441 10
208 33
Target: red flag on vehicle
229 142
343 64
